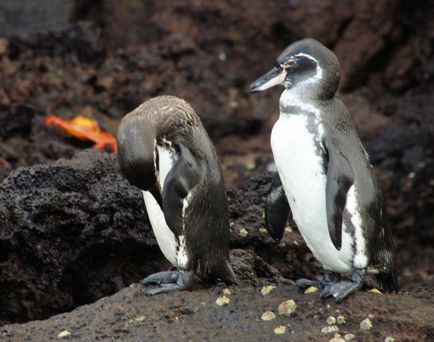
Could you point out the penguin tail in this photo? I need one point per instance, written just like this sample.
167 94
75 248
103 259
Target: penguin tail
228 275
385 265
387 281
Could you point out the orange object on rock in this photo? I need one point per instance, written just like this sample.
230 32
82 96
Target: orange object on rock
85 128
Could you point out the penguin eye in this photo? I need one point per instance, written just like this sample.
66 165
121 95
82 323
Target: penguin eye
288 64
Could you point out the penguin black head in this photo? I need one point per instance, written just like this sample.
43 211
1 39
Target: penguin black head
305 63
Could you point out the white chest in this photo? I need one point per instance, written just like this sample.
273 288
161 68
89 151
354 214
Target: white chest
295 141
173 250
300 167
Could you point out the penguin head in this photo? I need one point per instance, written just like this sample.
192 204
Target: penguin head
305 63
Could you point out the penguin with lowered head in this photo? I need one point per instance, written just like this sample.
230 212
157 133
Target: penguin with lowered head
165 151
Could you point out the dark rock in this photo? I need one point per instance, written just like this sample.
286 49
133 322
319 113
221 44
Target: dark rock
70 233
27 17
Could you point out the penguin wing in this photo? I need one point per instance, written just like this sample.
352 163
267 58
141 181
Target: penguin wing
181 179
340 178
276 209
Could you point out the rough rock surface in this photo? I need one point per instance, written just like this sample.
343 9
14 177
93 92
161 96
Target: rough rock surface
63 241
75 231
71 233
129 315
113 55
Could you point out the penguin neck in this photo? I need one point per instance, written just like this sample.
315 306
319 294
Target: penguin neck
300 99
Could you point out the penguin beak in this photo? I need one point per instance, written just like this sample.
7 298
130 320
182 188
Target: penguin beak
274 77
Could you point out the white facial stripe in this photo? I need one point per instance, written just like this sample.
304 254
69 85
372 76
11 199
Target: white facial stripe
273 82
319 72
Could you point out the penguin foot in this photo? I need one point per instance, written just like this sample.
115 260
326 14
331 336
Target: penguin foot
303 284
329 279
169 281
342 289
166 277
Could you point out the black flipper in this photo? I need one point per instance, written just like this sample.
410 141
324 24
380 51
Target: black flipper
155 191
276 209
340 178
184 175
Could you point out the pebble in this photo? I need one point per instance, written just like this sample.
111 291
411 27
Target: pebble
263 231
330 329
287 308
268 316
266 289
366 324
280 330
349 337
64 334
288 229
243 232
340 319
375 291
337 338
311 289
136 320
222 300
389 339
331 320
227 292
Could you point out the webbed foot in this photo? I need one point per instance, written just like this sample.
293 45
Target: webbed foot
329 278
168 281
343 288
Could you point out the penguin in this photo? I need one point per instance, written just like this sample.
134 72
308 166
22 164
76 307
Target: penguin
165 151
325 179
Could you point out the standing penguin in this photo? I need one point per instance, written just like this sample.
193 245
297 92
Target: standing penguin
325 177
165 151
